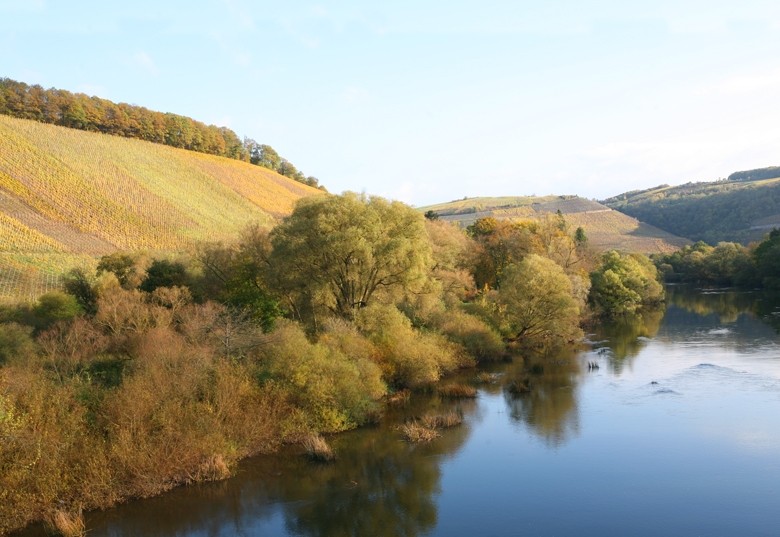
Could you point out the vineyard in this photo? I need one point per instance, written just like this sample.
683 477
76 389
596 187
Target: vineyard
66 193
606 229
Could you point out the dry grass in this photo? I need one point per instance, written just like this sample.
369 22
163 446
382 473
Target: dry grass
415 432
399 398
449 419
457 391
68 524
483 377
318 449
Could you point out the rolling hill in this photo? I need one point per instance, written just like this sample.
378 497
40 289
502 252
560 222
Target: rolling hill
606 229
67 196
739 209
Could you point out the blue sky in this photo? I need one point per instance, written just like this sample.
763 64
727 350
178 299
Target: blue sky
432 101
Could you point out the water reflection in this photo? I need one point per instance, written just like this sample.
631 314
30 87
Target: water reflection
541 392
379 485
625 337
726 305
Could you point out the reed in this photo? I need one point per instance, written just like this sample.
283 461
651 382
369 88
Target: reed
317 449
457 391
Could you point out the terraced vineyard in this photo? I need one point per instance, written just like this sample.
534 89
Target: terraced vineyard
66 195
606 229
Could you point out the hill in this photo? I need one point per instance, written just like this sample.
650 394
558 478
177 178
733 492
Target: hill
742 208
68 195
605 228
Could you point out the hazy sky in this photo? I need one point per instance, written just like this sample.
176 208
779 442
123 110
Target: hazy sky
432 101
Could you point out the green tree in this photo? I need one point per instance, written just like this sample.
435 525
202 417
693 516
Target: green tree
767 257
55 306
338 252
164 273
536 302
624 283
267 157
237 275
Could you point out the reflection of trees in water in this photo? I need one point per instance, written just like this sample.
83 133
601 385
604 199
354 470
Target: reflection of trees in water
379 485
624 336
767 308
727 305
548 402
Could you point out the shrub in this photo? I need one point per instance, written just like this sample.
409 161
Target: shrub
475 335
408 358
337 392
415 432
16 343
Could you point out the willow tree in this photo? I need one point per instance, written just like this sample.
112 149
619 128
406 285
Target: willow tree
341 252
536 302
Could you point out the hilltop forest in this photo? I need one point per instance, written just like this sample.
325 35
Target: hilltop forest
80 111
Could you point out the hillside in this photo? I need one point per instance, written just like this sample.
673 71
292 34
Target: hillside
69 195
740 209
605 228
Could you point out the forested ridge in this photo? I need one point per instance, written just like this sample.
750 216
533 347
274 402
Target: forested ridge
90 113
742 208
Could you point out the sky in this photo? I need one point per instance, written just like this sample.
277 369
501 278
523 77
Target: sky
432 101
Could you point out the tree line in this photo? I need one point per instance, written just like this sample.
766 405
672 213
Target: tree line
146 373
754 266
80 111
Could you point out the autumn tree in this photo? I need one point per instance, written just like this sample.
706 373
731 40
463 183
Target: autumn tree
340 252
536 302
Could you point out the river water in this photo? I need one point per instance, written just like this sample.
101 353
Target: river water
677 432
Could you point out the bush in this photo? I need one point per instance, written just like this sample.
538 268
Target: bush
16 343
475 335
408 358
336 392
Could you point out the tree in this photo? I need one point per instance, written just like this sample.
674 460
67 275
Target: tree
236 275
536 302
164 273
267 157
338 252
624 283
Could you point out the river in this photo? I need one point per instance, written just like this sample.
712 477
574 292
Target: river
677 432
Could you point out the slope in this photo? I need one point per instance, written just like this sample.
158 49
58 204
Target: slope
605 228
735 209
69 194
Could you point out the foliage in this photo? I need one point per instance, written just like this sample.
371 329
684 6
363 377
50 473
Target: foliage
337 253
16 343
55 306
624 283
756 175
408 358
726 210
337 391
726 264
536 303
767 259
478 338
604 228
237 275
79 111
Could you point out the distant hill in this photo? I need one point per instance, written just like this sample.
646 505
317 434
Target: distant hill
742 208
68 195
605 228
